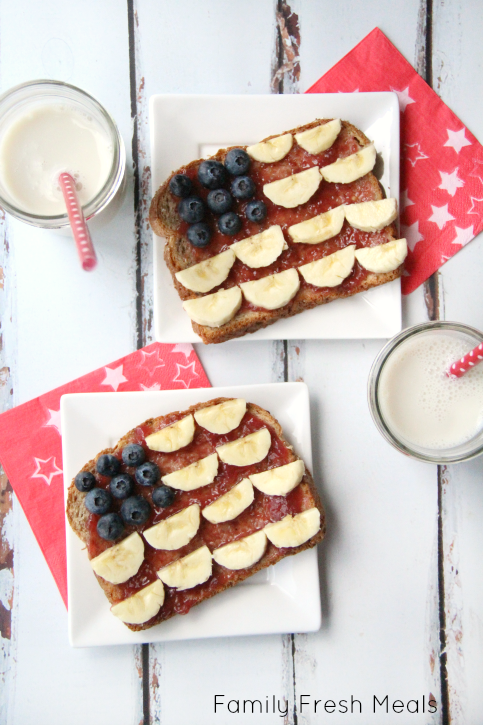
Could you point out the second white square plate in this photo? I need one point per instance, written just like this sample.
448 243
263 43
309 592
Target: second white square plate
282 598
187 127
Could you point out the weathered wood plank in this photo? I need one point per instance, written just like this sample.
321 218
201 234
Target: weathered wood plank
57 323
215 32
457 53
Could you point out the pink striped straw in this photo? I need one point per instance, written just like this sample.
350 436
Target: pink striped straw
460 367
78 224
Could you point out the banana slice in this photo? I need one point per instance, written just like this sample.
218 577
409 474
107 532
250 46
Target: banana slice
371 216
295 189
273 291
330 271
273 150
343 171
216 309
196 475
243 553
383 258
222 418
262 249
231 504
172 437
319 228
208 274
253 448
175 531
189 571
281 480
320 138
294 530
142 606
122 561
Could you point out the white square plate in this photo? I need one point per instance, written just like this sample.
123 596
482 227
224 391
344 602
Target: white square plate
282 598
187 127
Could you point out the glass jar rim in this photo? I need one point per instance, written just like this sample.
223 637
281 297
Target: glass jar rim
436 455
116 172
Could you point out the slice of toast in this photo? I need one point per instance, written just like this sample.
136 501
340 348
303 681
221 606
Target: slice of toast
180 254
263 510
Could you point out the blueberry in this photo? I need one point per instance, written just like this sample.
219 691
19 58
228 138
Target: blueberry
133 455
110 527
147 474
212 174
135 510
163 496
98 501
219 201
181 185
243 187
230 223
256 211
237 162
108 465
84 481
199 234
192 209
122 486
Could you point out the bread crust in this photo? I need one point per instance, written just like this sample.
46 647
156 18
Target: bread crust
78 516
179 255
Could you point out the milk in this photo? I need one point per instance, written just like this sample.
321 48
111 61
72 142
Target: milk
420 404
45 140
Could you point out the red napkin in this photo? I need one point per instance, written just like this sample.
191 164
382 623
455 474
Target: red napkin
30 437
441 201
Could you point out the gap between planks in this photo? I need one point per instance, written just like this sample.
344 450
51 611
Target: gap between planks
432 292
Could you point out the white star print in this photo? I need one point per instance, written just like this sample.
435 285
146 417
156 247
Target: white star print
450 182
114 377
463 236
473 209
185 374
46 469
405 200
477 170
412 235
457 139
151 361
440 215
404 98
154 386
416 155
53 421
184 348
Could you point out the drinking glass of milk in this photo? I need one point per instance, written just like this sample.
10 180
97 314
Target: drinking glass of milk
420 409
47 128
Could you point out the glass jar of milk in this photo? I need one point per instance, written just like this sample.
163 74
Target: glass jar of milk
46 128
416 406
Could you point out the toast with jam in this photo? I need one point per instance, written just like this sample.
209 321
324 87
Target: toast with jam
254 234
189 504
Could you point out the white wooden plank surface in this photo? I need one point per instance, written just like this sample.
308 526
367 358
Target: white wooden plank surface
457 55
379 562
65 323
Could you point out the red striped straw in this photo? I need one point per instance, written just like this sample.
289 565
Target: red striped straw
78 224
460 367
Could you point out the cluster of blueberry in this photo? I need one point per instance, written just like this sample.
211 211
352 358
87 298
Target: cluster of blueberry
135 510
214 175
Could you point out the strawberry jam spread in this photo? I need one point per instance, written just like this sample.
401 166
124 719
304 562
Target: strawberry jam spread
263 510
327 196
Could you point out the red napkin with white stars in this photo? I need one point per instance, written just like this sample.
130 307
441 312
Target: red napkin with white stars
441 204
31 445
